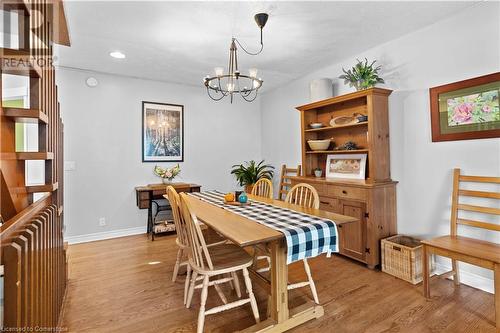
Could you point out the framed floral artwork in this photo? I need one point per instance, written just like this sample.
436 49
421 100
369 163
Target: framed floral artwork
466 109
351 166
162 132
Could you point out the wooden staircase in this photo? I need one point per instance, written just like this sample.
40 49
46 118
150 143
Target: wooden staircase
31 237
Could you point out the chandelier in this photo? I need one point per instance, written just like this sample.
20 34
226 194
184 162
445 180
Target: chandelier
234 82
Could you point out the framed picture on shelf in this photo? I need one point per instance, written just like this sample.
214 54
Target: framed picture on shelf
162 132
352 166
466 109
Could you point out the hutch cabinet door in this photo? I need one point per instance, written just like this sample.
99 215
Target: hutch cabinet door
353 235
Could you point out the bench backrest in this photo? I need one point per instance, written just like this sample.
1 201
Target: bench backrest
456 206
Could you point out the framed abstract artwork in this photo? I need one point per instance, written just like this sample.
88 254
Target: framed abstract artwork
351 166
466 109
162 132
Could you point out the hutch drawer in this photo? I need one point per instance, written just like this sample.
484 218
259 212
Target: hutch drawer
321 188
346 192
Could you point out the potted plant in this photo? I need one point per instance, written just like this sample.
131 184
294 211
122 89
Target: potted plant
249 172
362 75
318 172
167 174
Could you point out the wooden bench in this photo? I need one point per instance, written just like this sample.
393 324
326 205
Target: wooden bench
473 251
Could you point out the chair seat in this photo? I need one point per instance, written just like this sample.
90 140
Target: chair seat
228 256
467 246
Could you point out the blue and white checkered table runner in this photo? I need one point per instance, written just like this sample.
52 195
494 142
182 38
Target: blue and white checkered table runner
306 235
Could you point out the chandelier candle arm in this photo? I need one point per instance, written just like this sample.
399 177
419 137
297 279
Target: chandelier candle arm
221 85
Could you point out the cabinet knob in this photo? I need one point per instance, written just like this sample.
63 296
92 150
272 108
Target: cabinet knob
344 192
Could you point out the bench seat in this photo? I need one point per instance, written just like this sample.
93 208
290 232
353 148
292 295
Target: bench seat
467 246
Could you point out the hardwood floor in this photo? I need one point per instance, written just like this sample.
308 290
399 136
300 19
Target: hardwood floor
124 285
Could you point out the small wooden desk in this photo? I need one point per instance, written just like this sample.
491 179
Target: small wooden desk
244 232
145 195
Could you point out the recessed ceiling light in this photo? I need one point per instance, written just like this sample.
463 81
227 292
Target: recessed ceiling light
117 55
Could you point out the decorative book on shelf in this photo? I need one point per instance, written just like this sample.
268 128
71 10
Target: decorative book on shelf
371 136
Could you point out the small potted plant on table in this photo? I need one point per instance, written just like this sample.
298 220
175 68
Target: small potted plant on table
167 174
249 172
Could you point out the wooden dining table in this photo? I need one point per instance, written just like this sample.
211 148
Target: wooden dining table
246 232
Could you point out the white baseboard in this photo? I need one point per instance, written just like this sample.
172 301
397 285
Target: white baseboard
470 279
105 235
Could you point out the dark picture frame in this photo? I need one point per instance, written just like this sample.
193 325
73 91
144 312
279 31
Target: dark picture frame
466 110
162 132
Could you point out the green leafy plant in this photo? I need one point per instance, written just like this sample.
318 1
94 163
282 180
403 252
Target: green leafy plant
362 75
249 172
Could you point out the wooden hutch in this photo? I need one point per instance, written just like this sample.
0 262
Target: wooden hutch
372 200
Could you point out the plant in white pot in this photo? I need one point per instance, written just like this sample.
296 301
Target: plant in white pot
318 172
362 75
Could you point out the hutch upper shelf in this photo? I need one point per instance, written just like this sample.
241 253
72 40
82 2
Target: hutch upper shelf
371 137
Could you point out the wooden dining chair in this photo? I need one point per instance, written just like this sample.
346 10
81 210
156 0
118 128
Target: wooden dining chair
183 244
306 196
263 188
285 181
303 195
211 262
470 250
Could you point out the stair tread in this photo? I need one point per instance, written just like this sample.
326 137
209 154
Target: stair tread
25 115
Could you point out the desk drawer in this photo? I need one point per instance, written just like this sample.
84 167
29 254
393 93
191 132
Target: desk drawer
347 192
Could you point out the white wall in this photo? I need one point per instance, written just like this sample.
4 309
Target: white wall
461 47
103 136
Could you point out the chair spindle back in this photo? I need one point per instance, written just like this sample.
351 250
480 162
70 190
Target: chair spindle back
180 224
263 188
198 250
303 195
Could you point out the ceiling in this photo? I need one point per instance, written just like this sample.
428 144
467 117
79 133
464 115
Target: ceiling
182 42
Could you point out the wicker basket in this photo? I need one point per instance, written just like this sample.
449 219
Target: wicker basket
402 258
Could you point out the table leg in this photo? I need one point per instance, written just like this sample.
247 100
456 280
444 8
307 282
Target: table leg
497 296
425 271
282 319
150 215
279 282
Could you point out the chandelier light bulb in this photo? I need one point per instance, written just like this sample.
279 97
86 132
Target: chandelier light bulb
255 84
219 71
253 72
230 87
